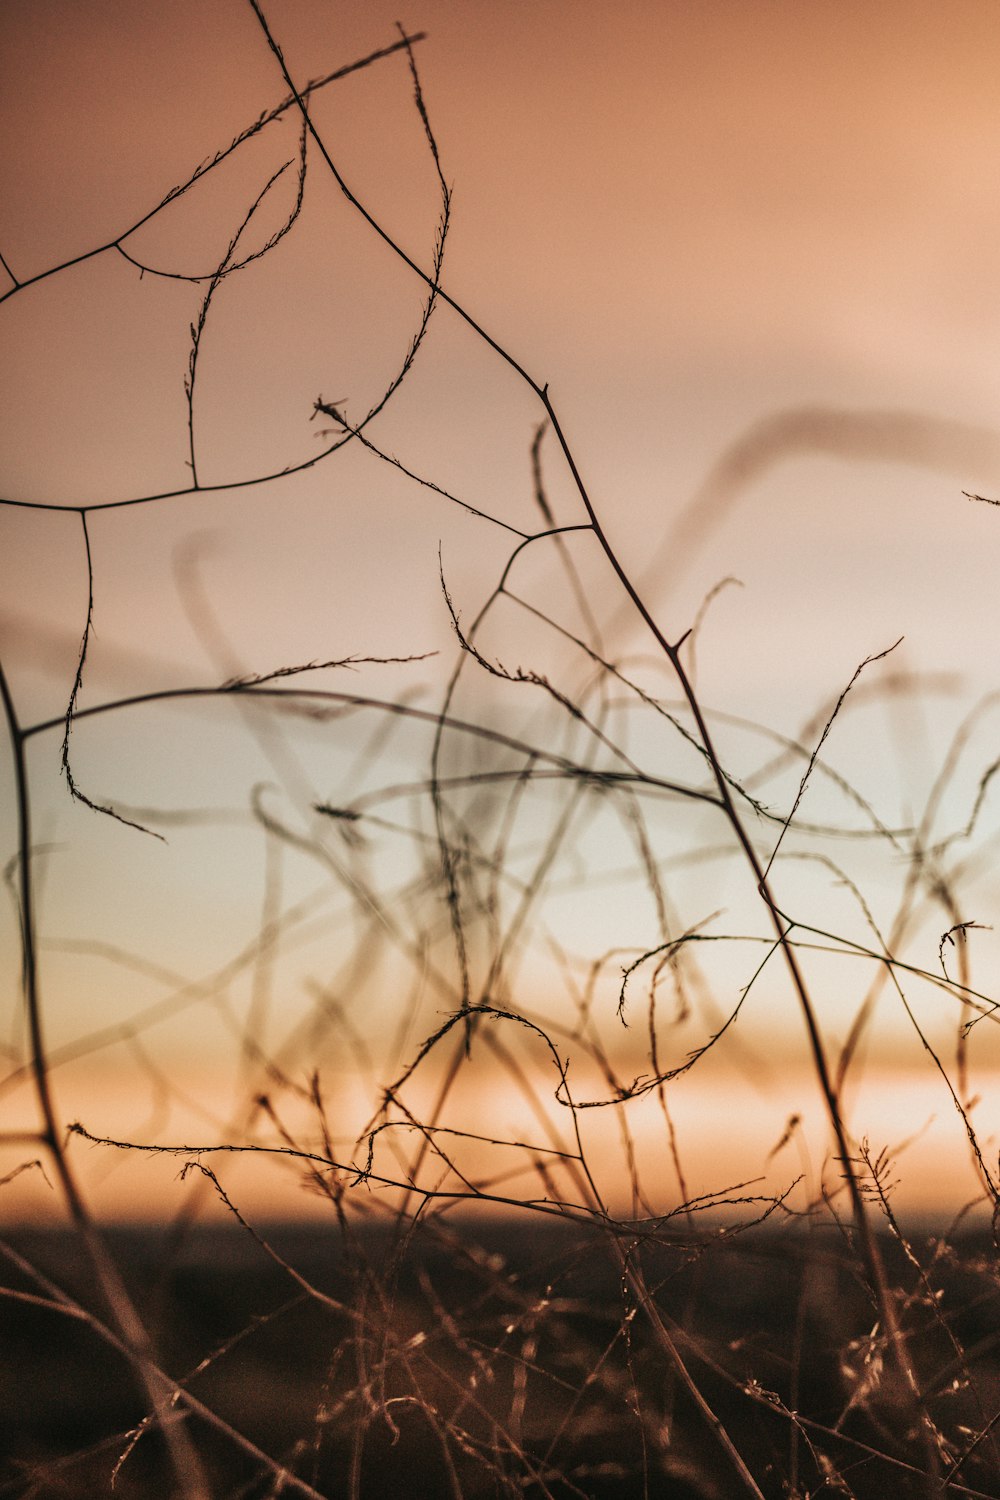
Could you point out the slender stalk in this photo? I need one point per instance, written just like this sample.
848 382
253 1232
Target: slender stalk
159 1391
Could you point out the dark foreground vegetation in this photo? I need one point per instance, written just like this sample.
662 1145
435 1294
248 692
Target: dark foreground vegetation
505 1359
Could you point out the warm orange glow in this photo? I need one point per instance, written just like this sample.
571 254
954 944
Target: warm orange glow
685 219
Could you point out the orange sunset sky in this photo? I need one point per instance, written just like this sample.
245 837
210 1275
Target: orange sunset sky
751 248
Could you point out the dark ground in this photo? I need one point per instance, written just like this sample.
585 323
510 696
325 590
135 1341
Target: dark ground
505 1359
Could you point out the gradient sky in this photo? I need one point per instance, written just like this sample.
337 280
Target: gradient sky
695 222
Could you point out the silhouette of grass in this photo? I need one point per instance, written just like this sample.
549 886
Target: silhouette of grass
505 1288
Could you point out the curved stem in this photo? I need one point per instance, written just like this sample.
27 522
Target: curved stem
869 1246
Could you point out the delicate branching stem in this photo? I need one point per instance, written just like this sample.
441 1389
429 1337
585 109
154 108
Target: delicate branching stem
672 654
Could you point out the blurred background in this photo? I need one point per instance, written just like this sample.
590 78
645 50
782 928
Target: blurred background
750 249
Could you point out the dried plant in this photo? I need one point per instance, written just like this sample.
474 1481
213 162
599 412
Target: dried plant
519 1276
